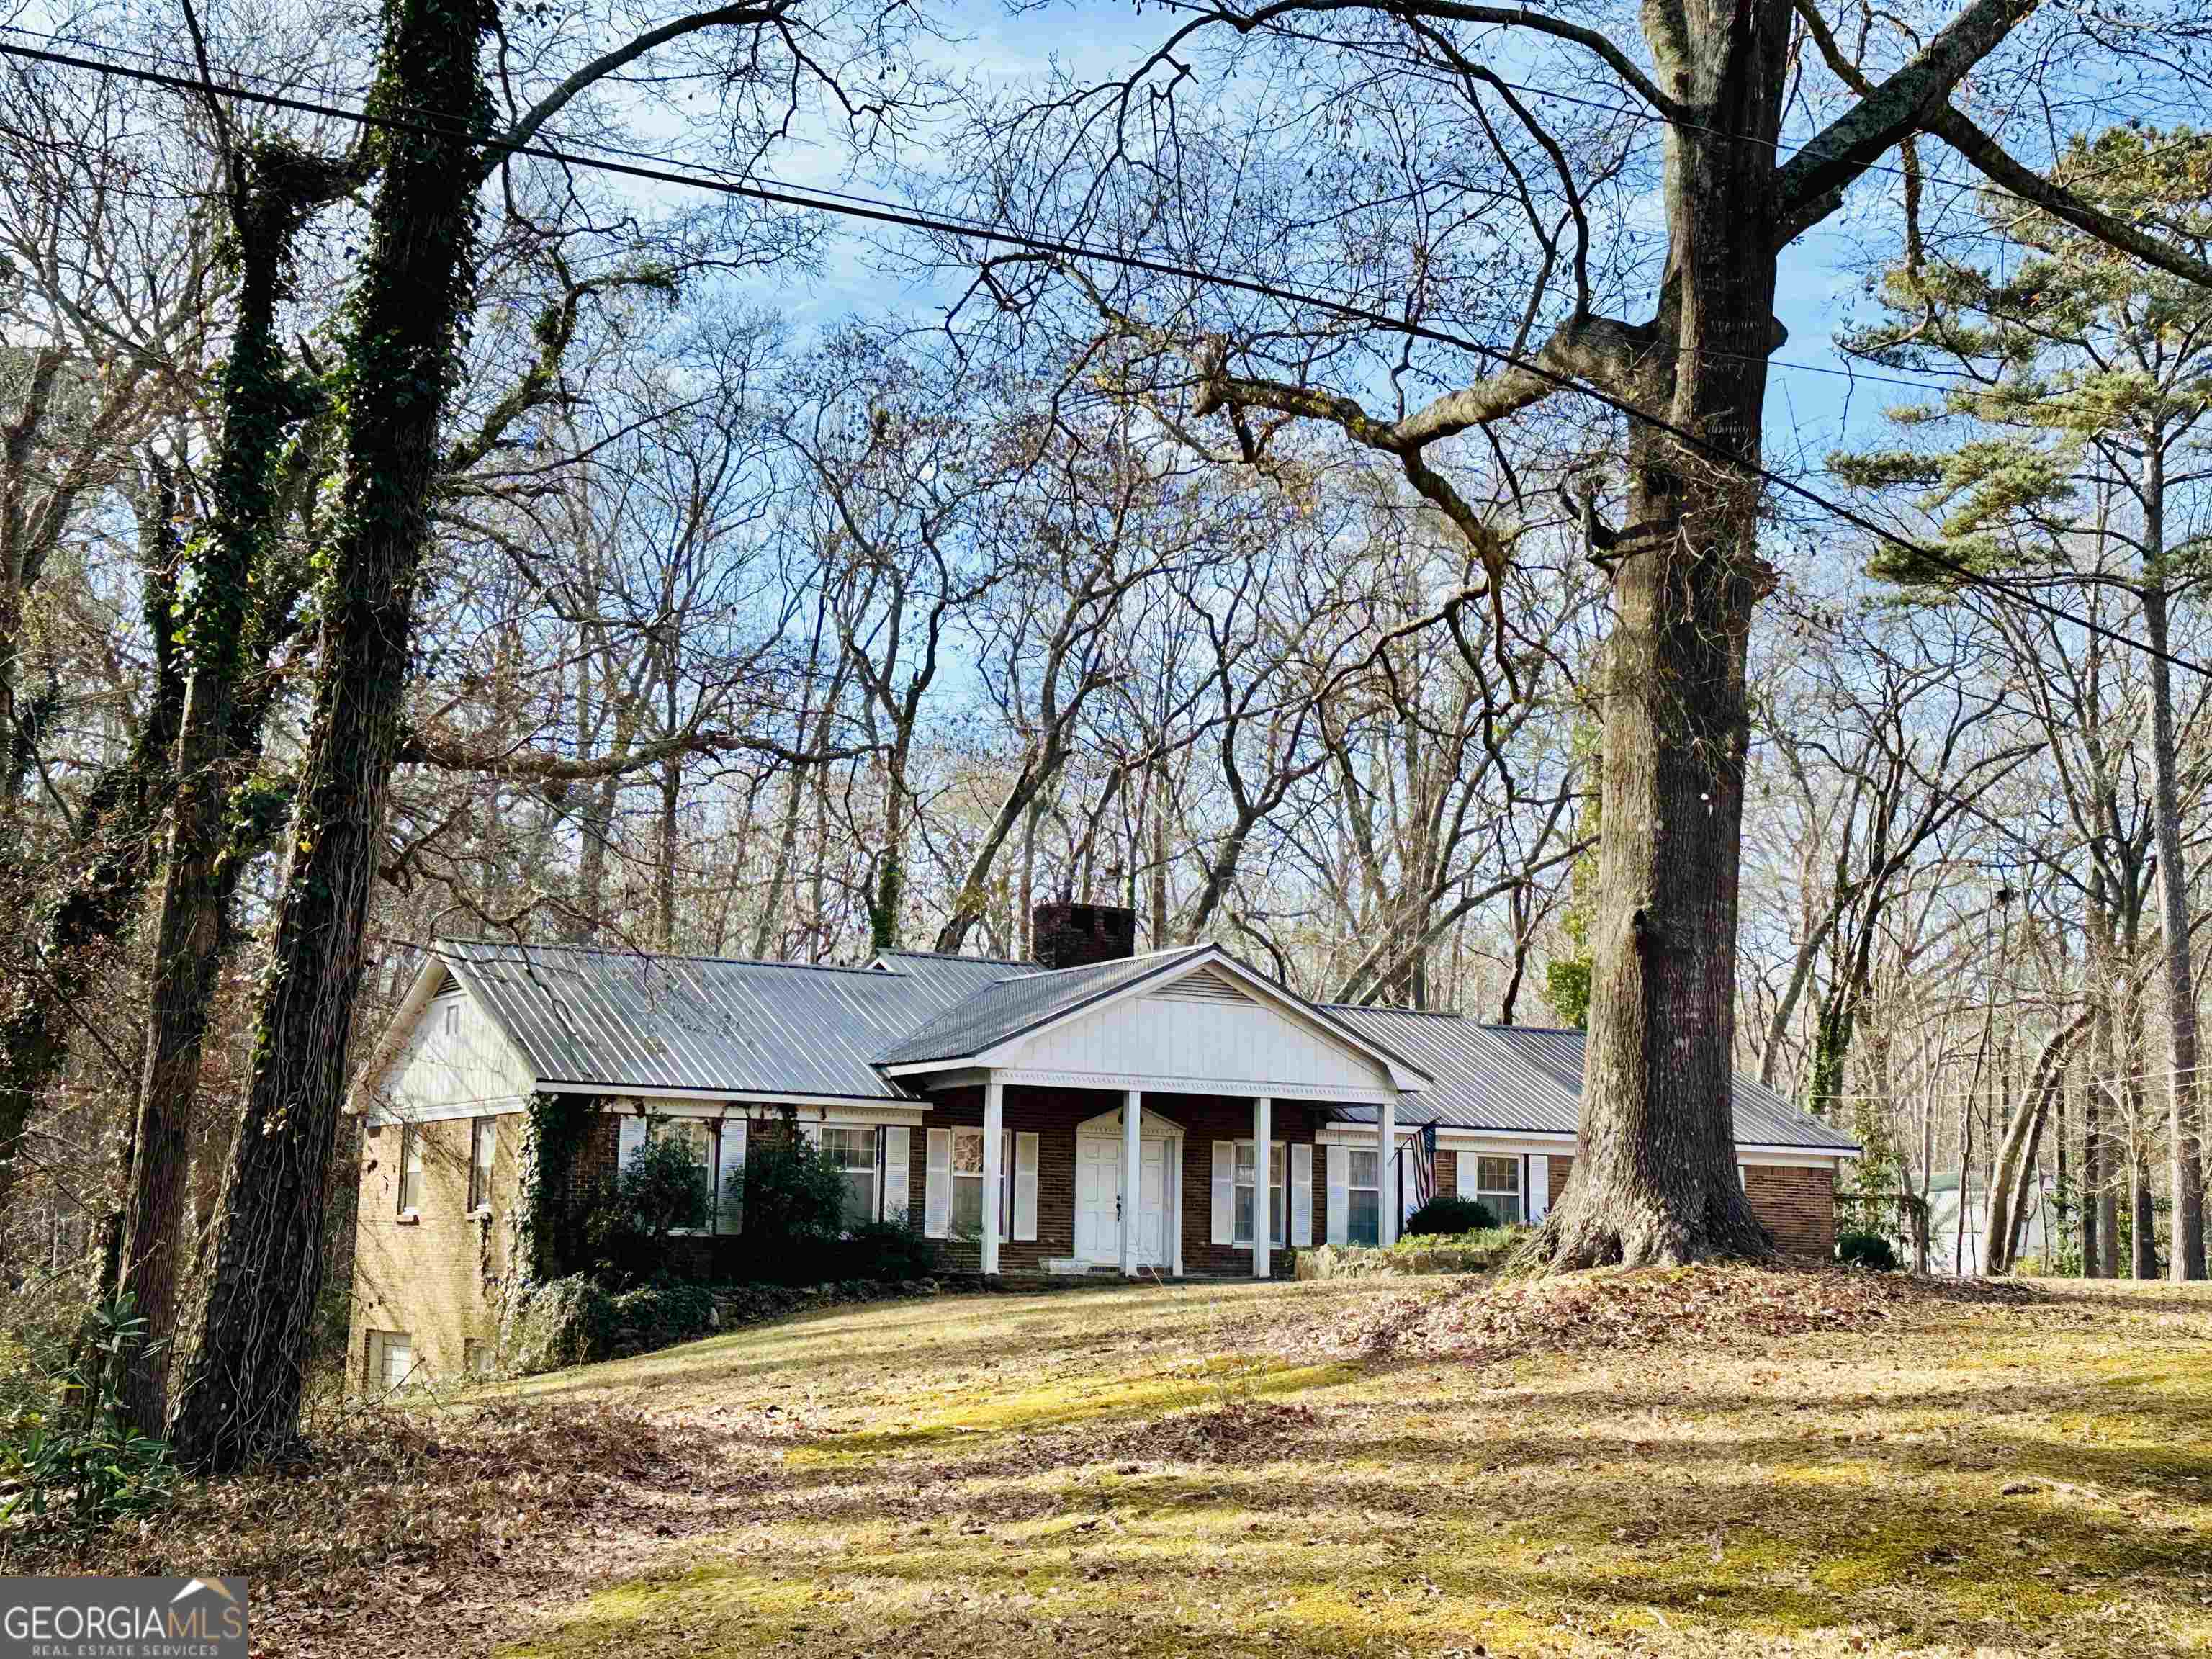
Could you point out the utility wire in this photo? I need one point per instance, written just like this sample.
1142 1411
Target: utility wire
602 147
878 211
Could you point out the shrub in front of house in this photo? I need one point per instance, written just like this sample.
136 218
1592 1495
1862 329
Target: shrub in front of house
661 1190
794 1208
885 1252
1448 1215
1866 1250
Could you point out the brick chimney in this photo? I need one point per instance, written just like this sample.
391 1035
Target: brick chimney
1077 935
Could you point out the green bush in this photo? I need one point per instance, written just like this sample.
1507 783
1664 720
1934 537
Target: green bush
79 1462
1866 1250
661 1189
1449 1214
794 1209
887 1251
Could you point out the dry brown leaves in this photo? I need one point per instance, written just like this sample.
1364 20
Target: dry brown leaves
433 1535
1707 1305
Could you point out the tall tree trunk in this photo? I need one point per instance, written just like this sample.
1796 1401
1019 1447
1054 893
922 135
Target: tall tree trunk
1655 1177
113 845
2185 1174
664 872
2145 1217
273 189
241 1394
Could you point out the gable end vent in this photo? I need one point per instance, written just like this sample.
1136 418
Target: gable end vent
1208 987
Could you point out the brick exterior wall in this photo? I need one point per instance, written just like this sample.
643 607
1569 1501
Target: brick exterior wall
1446 1175
1798 1205
1562 1164
439 1277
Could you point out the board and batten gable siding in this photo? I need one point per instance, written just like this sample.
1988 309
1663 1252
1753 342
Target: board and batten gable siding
455 1057
1204 1027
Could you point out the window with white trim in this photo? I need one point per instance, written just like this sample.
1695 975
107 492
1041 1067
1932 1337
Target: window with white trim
1248 1173
1497 1183
410 1169
968 1183
483 1142
854 1149
390 1360
696 1135
1363 1196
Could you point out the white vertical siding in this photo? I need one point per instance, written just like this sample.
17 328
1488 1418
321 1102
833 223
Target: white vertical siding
1171 1036
469 1064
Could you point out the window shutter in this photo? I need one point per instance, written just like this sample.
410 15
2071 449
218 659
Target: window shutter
1026 1186
1340 1196
811 1133
730 1177
937 1186
1225 1191
631 1139
1469 1165
898 1198
1540 1186
1301 1196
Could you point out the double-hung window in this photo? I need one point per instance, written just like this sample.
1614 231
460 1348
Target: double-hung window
1279 1208
1363 1196
410 1169
696 1136
968 1184
1497 1184
484 1141
854 1150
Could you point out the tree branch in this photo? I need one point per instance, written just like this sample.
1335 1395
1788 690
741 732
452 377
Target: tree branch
1809 185
2032 187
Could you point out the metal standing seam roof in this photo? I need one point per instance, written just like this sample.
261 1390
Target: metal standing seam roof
626 1022
1527 1079
1022 1001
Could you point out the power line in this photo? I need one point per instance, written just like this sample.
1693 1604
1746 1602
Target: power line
875 211
601 147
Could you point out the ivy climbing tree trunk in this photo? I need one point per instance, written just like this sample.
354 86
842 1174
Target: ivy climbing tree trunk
240 1396
274 188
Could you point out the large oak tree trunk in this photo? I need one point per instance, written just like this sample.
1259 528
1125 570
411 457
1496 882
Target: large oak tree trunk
274 188
1655 1178
242 1397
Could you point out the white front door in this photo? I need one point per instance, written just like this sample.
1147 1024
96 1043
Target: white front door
1097 1192
1098 1196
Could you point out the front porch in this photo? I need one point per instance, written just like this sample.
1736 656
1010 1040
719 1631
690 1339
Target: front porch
1066 1158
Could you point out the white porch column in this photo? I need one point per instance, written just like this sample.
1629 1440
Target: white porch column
1263 1187
1387 1201
995 1133
1132 1191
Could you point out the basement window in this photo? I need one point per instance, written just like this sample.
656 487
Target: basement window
390 1360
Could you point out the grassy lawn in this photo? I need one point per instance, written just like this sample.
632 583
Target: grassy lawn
1201 1470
